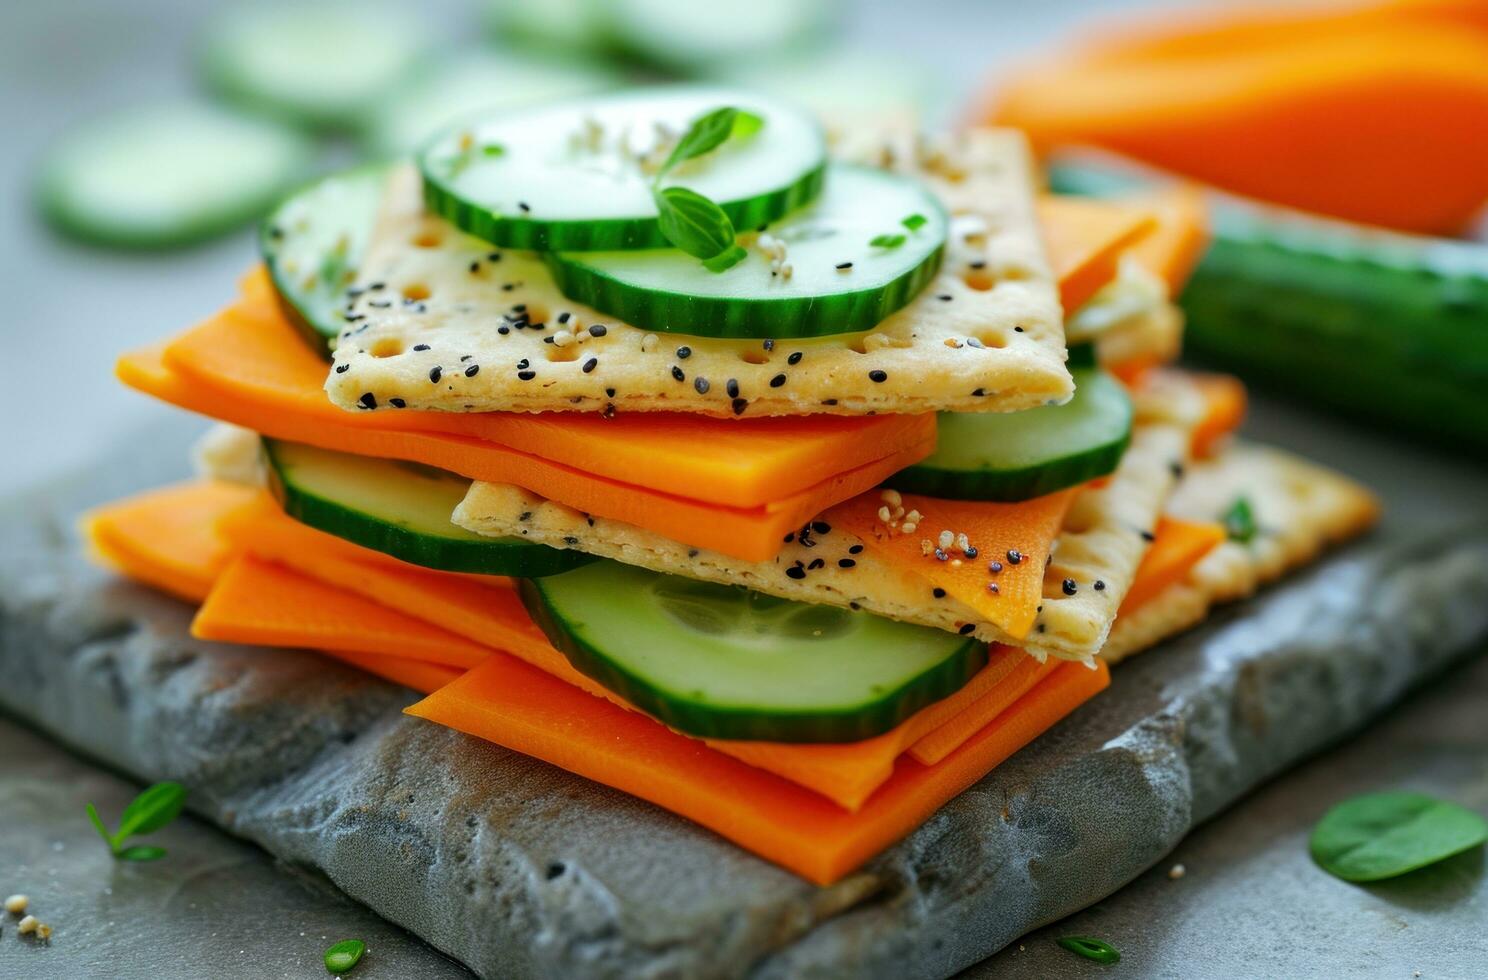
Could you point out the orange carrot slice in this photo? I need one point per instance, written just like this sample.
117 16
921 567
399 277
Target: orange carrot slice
1224 410
426 678
517 706
165 538
1084 239
1177 546
1172 247
259 603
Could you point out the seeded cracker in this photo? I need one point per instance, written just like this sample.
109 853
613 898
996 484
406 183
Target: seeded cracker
1102 541
1300 508
500 337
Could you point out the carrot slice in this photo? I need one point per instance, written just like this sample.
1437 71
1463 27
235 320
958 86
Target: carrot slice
1001 532
1224 410
259 603
1084 239
519 707
935 745
426 678
1172 247
753 534
165 538
1176 547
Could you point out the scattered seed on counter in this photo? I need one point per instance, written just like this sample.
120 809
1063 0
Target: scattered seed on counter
17 904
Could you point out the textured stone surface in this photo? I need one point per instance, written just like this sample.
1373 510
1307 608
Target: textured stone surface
517 868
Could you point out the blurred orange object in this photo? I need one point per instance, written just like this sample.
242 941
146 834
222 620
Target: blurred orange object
1376 113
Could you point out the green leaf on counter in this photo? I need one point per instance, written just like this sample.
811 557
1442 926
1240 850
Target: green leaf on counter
1091 948
1382 835
344 955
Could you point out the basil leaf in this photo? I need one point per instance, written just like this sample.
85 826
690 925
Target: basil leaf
726 259
914 222
746 124
493 150
1239 521
693 223
1381 835
706 134
154 808
344 955
1091 948
887 241
141 852
97 821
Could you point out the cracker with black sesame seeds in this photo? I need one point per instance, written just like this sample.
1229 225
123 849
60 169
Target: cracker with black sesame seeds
1101 540
992 341
1300 508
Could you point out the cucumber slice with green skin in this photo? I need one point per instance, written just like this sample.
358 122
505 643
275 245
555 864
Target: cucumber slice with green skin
313 243
400 509
317 64
460 87
1021 455
168 174
669 290
534 180
720 661
687 36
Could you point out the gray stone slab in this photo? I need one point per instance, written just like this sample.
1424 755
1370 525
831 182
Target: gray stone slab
517 868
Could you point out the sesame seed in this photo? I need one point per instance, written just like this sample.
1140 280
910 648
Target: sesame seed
609 392
523 207
993 587
420 346
843 266
1069 586
523 363
732 387
878 377
817 563
648 342
994 567
795 358
941 555
1014 557
1017 330
967 629
1099 586
677 373
973 342
472 370
856 549
796 572
368 400
946 539
821 527
598 330
970 552
962 542
683 353
846 563
777 381
475 267
466 357
564 316
1148 536
938 592
891 497
397 403
590 364
342 368
739 404
493 257
908 527
945 297
978 392
883 515
769 345
16 904
503 330
701 384
526 375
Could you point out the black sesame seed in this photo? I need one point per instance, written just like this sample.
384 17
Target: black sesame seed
938 592
945 297
878 377
856 549
493 257
564 316
701 384
466 358
537 326
970 551
846 563
569 539
692 552
967 629
796 572
503 330
978 392
475 267
821 527
472 370
342 368
993 587
1017 330
507 287
368 400
519 308
941 555
523 363
1014 557
420 346
739 404
844 266
1069 586
397 403
732 387
435 373
795 358
683 353
609 392
547 340
977 264
590 364
526 375
1100 586
375 286
829 401
790 536
677 373
1177 469
817 563
523 207
1148 536
769 345
777 381
994 567
598 330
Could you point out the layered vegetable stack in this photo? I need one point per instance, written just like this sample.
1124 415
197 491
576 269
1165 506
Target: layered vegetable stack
789 488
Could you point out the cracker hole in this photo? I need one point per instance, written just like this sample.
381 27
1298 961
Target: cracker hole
386 347
754 357
416 291
428 239
992 338
979 279
559 355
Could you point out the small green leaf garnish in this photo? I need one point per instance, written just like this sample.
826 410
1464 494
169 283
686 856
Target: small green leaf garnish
1382 835
914 222
1239 521
344 955
148 812
705 135
1091 948
493 150
746 124
887 241
726 259
693 223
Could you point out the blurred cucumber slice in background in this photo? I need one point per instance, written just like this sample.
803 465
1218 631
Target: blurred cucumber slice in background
442 92
317 64
168 174
566 26
687 36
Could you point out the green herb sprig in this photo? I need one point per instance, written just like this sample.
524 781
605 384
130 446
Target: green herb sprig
1091 948
148 812
690 221
1239 521
344 955
1382 835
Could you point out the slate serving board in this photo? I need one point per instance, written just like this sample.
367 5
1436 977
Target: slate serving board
519 869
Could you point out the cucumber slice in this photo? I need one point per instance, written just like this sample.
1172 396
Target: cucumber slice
478 82
312 244
686 36
721 661
566 27
317 64
168 174
669 290
400 509
533 180
1021 455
